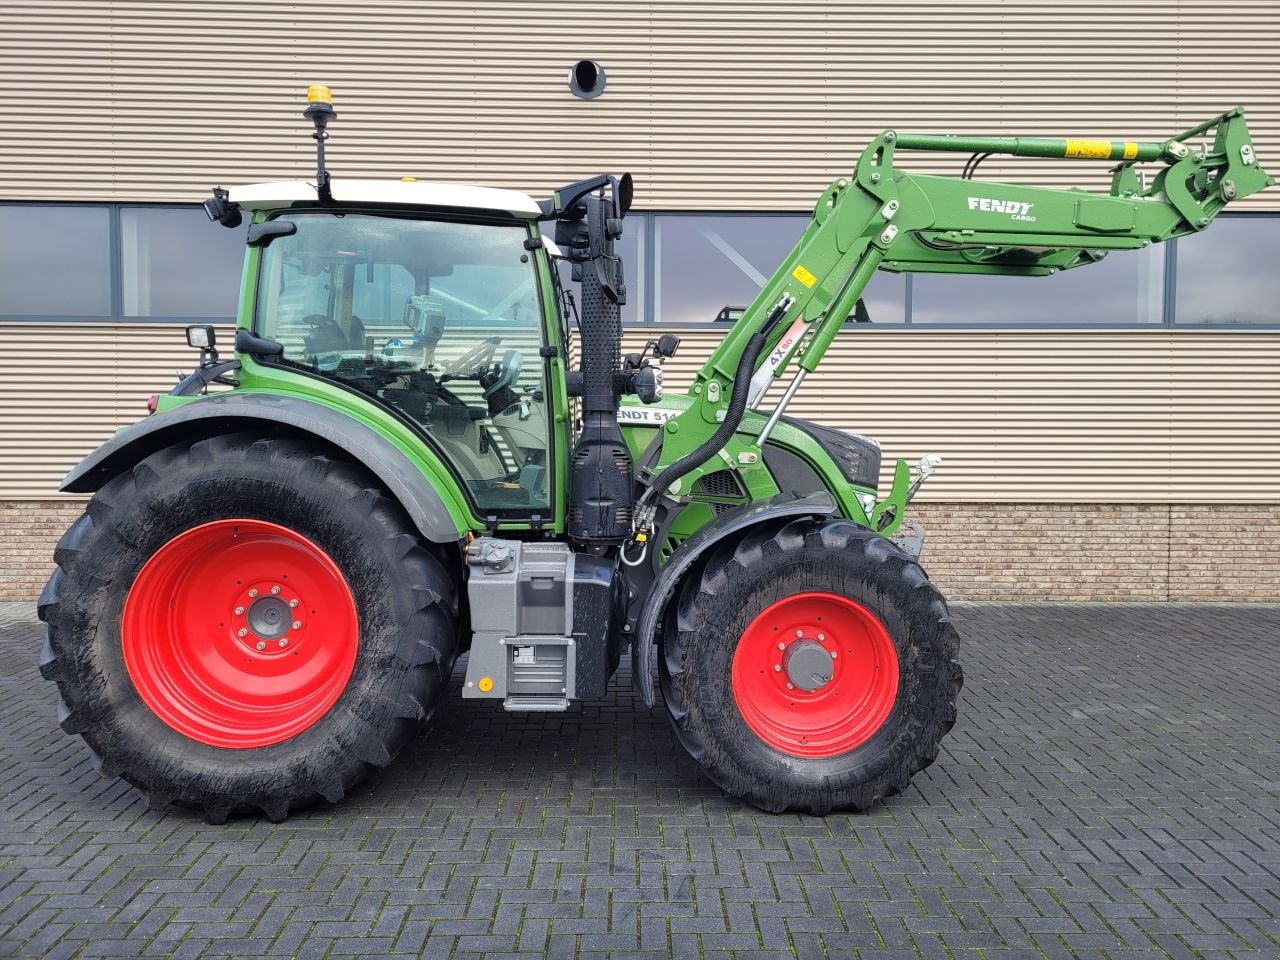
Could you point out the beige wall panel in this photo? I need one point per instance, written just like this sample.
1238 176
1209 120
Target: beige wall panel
712 105
1080 417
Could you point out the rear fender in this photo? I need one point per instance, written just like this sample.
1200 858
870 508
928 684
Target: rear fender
232 411
729 525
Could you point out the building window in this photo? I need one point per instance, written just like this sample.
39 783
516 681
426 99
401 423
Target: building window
1228 274
175 264
118 262
1125 288
704 263
55 261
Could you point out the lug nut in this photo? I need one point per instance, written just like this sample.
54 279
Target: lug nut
799 633
297 624
821 637
275 589
283 642
833 654
777 668
242 632
293 602
239 610
253 593
782 646
791 686
262 645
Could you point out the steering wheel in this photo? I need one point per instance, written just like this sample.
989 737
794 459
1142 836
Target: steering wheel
512 361
481 355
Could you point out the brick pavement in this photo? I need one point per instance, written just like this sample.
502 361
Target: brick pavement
1112 789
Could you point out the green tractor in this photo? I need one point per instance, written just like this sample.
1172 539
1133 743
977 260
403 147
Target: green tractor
426 446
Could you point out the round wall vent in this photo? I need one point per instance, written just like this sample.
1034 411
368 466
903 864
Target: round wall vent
586 79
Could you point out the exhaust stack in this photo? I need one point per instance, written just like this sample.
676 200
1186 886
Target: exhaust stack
589 220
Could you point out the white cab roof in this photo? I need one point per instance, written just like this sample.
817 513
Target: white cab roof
416 193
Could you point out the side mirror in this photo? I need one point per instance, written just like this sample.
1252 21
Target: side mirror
624 193
260 234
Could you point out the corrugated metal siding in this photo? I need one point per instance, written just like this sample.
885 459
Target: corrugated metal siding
1145 417
1077 417
712 105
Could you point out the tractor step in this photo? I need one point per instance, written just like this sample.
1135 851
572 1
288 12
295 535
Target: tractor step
532 703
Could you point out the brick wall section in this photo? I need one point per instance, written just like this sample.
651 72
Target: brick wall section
1225 552
1040 551
997 551
28 532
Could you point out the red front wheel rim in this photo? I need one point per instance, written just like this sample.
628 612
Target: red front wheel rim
240 633
815 675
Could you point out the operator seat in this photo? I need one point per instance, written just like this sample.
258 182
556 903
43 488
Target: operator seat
327 335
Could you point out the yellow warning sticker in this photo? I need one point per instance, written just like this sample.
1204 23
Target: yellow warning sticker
804 276
1089 149
1130 149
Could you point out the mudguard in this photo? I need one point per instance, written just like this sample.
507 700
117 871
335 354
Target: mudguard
233 411
782 506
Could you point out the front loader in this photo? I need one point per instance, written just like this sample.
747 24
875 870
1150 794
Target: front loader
279 567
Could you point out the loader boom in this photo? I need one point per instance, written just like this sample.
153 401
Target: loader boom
883 218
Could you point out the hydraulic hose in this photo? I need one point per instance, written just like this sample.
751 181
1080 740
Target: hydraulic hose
728 426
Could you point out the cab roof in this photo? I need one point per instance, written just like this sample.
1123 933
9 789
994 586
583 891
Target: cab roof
417 193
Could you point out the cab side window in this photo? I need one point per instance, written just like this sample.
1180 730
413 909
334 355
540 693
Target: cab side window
440 320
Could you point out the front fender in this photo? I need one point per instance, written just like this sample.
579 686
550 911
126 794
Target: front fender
226 412
728 524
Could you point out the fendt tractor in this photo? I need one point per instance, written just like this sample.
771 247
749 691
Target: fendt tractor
425 445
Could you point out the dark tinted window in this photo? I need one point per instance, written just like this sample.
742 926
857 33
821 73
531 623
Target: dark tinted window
55 261
1229 274
1126 287
175 263
705 263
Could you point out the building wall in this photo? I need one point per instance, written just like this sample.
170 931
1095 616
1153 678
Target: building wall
711 104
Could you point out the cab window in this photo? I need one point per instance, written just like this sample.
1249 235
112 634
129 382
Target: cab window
439 319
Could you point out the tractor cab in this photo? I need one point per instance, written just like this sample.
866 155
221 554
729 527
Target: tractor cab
427 298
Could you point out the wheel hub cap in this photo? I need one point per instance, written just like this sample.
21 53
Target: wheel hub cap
269 618
808 665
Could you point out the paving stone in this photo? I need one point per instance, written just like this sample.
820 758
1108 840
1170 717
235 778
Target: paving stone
1112 789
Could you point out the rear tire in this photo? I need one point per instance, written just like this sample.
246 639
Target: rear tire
770 595
131 653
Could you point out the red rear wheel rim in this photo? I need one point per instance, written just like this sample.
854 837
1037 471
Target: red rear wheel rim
815 675
240 633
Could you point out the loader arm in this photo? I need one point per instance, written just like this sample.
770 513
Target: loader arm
884 218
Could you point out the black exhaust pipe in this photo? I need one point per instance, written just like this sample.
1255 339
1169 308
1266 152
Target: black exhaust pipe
600 474
600 470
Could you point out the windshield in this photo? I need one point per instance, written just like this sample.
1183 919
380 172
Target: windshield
441 320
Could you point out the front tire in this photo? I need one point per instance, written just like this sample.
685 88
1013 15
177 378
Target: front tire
810 667
246 623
